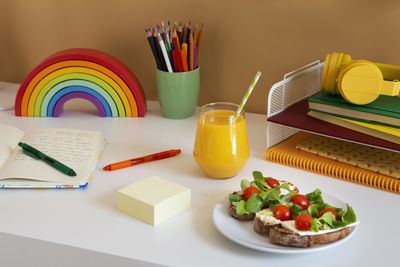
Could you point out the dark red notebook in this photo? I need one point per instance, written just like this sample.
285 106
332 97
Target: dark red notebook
296 116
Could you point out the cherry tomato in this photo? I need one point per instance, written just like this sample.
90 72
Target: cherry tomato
251 190
282 212
332 210
301 200
303 222
271 182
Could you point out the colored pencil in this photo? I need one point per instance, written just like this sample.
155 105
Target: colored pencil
153 48
175 47
189 31
178 60
179 31
195 62
199 43
159 52
185 32
196 34
184 47
184 60
191 53
165 54
175 40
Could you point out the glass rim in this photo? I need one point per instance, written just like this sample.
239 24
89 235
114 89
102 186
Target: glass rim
233 105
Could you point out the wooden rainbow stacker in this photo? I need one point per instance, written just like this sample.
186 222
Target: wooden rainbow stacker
81 73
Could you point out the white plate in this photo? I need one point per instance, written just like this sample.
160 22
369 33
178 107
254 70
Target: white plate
243 233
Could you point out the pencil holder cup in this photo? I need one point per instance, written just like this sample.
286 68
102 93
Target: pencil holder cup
178 93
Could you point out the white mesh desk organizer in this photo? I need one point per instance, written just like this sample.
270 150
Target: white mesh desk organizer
285 99
295 86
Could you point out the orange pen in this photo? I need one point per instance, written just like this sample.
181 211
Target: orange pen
140 160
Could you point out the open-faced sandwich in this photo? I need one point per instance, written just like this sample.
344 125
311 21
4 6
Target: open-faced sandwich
288 218
257 195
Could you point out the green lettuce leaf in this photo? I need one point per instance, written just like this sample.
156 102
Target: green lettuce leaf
315 197
235 197
314 225
254 204
258 175
314 210
349 216
240 208
327 220
244 184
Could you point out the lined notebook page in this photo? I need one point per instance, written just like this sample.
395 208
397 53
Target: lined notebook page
9 138
77 149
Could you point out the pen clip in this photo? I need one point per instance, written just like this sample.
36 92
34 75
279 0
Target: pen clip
33 155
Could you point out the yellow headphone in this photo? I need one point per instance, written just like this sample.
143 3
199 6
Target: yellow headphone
359 81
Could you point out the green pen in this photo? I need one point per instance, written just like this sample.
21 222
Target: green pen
36 154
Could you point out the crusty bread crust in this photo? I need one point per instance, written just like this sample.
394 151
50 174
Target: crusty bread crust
245 217
261 228
285 237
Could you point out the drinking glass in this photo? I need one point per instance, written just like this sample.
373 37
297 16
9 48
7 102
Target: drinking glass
221 146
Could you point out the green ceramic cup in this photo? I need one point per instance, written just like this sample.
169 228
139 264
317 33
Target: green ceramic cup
178 93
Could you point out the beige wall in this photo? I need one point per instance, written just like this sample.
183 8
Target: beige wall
241 37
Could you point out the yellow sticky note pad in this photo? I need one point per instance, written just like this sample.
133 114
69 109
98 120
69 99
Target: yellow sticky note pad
153 200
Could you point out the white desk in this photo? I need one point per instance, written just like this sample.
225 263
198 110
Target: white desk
83 227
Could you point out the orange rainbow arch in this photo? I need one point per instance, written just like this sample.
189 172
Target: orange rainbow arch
81 73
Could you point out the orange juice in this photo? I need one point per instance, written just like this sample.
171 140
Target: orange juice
221 147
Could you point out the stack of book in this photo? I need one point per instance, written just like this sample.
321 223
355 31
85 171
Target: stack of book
380 118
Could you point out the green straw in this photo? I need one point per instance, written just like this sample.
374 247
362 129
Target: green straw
246 96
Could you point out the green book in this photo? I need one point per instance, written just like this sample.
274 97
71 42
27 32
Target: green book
384 110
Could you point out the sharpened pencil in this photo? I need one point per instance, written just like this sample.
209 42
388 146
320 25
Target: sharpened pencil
159 52
153 48
199 43
184 60
176 47
164 52
191 53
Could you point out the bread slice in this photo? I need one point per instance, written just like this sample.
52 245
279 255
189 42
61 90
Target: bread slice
262 227
285 237
244 217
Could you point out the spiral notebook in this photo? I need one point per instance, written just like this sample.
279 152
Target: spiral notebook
286 153
370 158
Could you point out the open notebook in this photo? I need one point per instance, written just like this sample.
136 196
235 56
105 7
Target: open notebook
78 149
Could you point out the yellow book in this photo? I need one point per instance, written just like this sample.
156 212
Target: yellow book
286 153
387 133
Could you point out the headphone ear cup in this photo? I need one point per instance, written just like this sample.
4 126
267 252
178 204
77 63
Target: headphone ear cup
346 60
333 72
360 82
333 64
325 71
